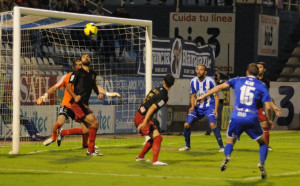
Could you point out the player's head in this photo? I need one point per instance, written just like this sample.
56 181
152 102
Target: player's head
252 69
169 80
262 68
201 71
77 64
85 59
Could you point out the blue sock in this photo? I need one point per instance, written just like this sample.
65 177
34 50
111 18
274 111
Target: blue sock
187 136
228 149
263 152
218 136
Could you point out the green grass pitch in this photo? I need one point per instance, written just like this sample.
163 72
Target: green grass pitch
68 164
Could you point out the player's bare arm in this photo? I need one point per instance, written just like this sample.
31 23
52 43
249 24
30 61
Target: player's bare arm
269 112
192 101
217 101
72 93
43 98
110 94
212 91
50 91
151 110
275 109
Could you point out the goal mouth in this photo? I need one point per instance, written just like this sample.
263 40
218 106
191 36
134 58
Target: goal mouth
39 46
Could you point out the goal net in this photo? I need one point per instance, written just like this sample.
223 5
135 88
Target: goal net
39 46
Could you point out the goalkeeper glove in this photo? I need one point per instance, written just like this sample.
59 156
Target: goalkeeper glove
42 99
113 94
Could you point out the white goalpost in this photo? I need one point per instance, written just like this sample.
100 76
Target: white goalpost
105 62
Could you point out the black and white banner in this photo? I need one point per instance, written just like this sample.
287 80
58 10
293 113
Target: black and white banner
178 57
268 35
217 29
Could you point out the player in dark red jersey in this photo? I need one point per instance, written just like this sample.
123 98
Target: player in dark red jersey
84 81
261 111
155 100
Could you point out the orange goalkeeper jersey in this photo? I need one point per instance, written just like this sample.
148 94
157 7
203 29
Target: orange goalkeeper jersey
63 84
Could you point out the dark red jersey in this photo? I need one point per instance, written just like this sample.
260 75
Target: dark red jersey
267 83
157 96
84 82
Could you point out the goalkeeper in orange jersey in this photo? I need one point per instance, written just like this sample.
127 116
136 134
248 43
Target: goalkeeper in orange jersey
65 109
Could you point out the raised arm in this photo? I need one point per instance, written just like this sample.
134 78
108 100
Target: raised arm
212 91
50 91
111 94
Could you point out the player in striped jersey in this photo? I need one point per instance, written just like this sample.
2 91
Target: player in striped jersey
208 108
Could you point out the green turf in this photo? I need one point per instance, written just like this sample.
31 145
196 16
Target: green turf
68 165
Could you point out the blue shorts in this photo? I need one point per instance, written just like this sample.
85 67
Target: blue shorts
244 121
198 114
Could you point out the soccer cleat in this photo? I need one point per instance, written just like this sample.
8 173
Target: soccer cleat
270 149
185 148
147 138
207 133
59 138
96 153
224 163
262 171
159 163
141 159
48 141
221 149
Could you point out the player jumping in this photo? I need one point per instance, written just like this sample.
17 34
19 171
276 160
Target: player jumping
248 91
84 81
155 100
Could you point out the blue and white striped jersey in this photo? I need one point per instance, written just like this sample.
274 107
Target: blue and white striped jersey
200 88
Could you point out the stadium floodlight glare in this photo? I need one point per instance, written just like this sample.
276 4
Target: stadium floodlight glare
20 12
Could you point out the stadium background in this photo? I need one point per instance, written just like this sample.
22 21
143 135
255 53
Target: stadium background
242 48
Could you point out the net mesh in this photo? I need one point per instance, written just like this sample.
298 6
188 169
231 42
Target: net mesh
48 49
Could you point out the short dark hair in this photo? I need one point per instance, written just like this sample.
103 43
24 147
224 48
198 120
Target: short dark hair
74 62
205 69
263 64
169 80
253 69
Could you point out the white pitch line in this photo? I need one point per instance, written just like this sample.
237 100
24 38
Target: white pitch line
39 151
35 152
150 176
274 175
119 175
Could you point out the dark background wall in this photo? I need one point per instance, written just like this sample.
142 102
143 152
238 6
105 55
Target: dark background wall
246 33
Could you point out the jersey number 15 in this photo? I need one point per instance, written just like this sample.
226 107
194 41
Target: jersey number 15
247 95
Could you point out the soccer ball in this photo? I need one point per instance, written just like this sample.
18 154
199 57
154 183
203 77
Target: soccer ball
90 30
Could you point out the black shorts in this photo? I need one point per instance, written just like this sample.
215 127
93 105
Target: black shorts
63 110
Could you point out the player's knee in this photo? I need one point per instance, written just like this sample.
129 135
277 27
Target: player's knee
85 131
95 122
212 125
156 133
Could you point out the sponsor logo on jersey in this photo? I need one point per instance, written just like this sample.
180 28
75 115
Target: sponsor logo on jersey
142 109
161 103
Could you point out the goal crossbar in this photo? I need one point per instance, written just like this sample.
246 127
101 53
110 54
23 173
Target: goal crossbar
18 11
